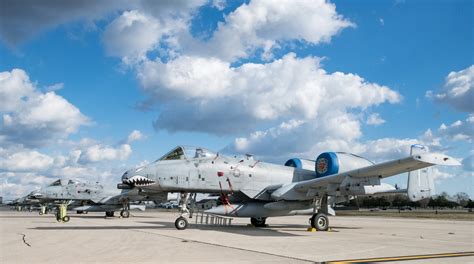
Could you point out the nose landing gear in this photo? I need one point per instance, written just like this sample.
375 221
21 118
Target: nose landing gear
181 223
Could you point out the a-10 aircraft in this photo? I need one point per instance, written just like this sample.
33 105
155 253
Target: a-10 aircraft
87 197
256 189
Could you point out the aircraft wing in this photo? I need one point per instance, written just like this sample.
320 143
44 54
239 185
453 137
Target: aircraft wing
298 190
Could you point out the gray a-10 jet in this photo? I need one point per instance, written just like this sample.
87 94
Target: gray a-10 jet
86 197
256 189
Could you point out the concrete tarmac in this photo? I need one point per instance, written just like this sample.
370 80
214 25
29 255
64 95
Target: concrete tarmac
150 237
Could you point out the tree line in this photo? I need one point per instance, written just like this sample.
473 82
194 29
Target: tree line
443 200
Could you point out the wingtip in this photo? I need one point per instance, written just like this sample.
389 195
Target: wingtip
438 159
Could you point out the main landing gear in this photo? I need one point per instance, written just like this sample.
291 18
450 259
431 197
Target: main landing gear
109 213
320 221
258 221
181 223
321 208
125 213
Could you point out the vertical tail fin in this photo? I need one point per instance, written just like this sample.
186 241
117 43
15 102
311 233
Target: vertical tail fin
420 182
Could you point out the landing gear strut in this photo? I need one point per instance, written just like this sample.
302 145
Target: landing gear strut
181 223
125 213
319 220
61 213
258 221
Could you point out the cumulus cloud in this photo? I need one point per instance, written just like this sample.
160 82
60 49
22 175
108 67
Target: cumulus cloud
375 119
459 130
99 152
216 98
264 25
33 118
25 160
458 90
133 34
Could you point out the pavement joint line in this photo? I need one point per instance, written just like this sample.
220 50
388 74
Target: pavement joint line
406 258
230 247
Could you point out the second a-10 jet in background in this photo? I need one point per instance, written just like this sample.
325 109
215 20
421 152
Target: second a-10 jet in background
89 197
255 189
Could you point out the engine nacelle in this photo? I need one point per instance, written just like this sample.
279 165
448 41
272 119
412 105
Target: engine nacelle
298 163
329 163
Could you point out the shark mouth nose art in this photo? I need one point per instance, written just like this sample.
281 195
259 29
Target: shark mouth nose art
139 181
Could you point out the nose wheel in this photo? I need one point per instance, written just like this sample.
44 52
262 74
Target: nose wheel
181 223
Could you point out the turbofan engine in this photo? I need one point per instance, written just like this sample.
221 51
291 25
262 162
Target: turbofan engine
329 163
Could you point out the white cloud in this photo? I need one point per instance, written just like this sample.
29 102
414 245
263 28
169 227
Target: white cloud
15 86
219 4
375 119
25 161
55 87
32 118
134 136
458 90
208 95
98 152
264 24
459 130
132 34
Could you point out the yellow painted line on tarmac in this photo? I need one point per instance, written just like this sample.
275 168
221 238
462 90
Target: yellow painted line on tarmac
402 258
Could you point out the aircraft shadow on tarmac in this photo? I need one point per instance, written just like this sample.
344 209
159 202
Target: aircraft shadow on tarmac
21 216
159 225
270 231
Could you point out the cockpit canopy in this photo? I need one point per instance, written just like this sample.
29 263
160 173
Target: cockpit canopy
60 183
187 152
56 183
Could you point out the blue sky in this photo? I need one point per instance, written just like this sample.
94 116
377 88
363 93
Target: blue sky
101 87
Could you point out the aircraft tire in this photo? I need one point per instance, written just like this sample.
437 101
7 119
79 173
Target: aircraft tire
181 223
40 213
66 219
125 213
258 221
320 221
109 213
57 216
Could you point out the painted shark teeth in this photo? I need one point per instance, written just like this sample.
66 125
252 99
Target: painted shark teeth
138 180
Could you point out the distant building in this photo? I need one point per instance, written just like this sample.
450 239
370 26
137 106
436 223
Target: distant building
205 204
